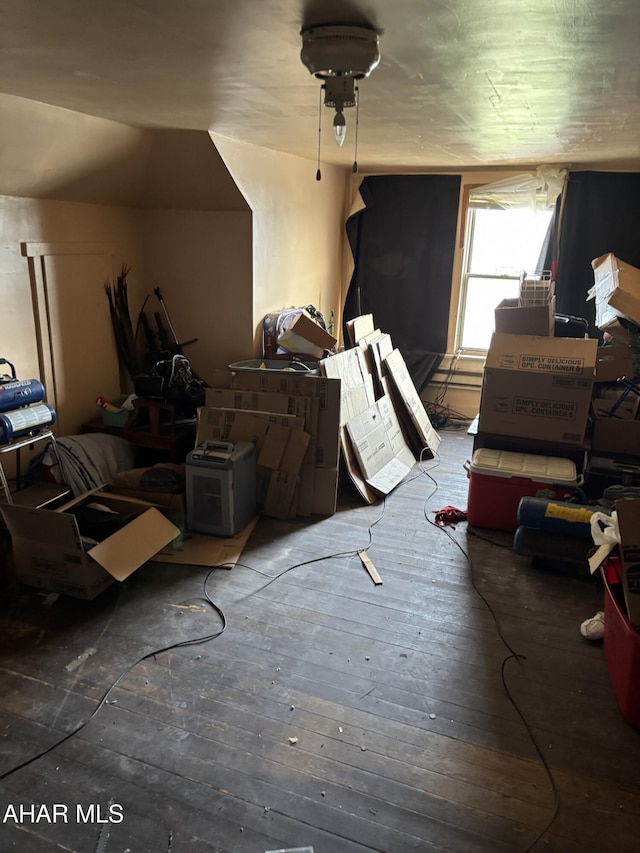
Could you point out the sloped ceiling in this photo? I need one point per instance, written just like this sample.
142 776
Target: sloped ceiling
461 84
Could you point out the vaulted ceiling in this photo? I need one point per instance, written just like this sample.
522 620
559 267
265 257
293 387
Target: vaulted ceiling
461 84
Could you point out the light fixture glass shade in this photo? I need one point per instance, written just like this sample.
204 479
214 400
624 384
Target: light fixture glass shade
339 129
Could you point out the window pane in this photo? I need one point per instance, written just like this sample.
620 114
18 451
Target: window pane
505 242
479 318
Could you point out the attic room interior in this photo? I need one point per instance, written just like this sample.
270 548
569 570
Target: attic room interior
319 426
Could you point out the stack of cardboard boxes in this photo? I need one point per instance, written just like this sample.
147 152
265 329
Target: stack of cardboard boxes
615 435
569 397
547 401
534 409
293 420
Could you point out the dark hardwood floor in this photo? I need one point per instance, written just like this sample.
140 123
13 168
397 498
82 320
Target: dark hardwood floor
331 713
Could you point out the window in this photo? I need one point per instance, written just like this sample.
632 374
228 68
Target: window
499 244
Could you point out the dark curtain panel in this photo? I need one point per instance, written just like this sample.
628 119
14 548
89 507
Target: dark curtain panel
601 214
403 244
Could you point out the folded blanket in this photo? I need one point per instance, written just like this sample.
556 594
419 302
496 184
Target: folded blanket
85 462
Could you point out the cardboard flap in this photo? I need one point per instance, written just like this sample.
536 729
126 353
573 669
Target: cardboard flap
41 525
127 549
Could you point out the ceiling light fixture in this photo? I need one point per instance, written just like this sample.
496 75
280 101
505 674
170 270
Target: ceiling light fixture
339 54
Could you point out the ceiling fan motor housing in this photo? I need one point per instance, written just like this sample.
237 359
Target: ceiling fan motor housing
340 50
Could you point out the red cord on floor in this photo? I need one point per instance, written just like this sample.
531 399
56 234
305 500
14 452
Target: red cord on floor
448 516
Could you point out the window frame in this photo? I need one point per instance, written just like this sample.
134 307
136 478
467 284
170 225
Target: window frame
467 235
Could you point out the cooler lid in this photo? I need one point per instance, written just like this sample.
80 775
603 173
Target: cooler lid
508 463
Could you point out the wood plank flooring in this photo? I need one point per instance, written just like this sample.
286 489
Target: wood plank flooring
331 713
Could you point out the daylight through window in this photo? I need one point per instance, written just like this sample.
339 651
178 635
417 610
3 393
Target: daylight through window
500 243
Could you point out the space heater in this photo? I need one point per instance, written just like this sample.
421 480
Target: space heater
220 487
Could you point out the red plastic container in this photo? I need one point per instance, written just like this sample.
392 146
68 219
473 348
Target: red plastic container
499 479
621 647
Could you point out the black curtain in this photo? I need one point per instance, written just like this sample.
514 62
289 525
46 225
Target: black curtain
601 214
403 245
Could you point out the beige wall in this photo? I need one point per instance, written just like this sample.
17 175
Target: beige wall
298 228
85 356
202 263
165 204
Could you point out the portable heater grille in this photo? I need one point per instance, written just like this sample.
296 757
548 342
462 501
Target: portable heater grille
207 509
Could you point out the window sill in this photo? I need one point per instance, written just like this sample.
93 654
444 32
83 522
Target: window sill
462 370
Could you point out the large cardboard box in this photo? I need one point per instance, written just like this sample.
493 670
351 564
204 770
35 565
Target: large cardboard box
619 436
327 390
262 401
374 449
48 550
616 290
172 505
538 387
305 328
512 319
408 402
613 362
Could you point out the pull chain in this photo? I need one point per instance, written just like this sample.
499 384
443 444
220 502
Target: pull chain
318 173
354 168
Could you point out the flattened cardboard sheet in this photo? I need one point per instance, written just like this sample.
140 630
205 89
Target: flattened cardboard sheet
203 550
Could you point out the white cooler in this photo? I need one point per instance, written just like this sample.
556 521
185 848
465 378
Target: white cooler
498 479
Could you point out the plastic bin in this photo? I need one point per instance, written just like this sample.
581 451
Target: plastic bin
499 479
621 646
119 418
267 365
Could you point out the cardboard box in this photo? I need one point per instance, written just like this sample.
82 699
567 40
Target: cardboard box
511 319
304 327
613 361
616 290
48 550
276 492
538 387
359 328
267 402
620 333
406 397
281 447
356 383
377 459
617 436
327 391
173 506
325 492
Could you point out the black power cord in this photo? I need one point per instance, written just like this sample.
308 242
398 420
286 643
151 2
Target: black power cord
192 642
181 644
272 578
513 655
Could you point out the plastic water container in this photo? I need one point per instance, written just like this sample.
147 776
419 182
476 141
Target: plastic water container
499 479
